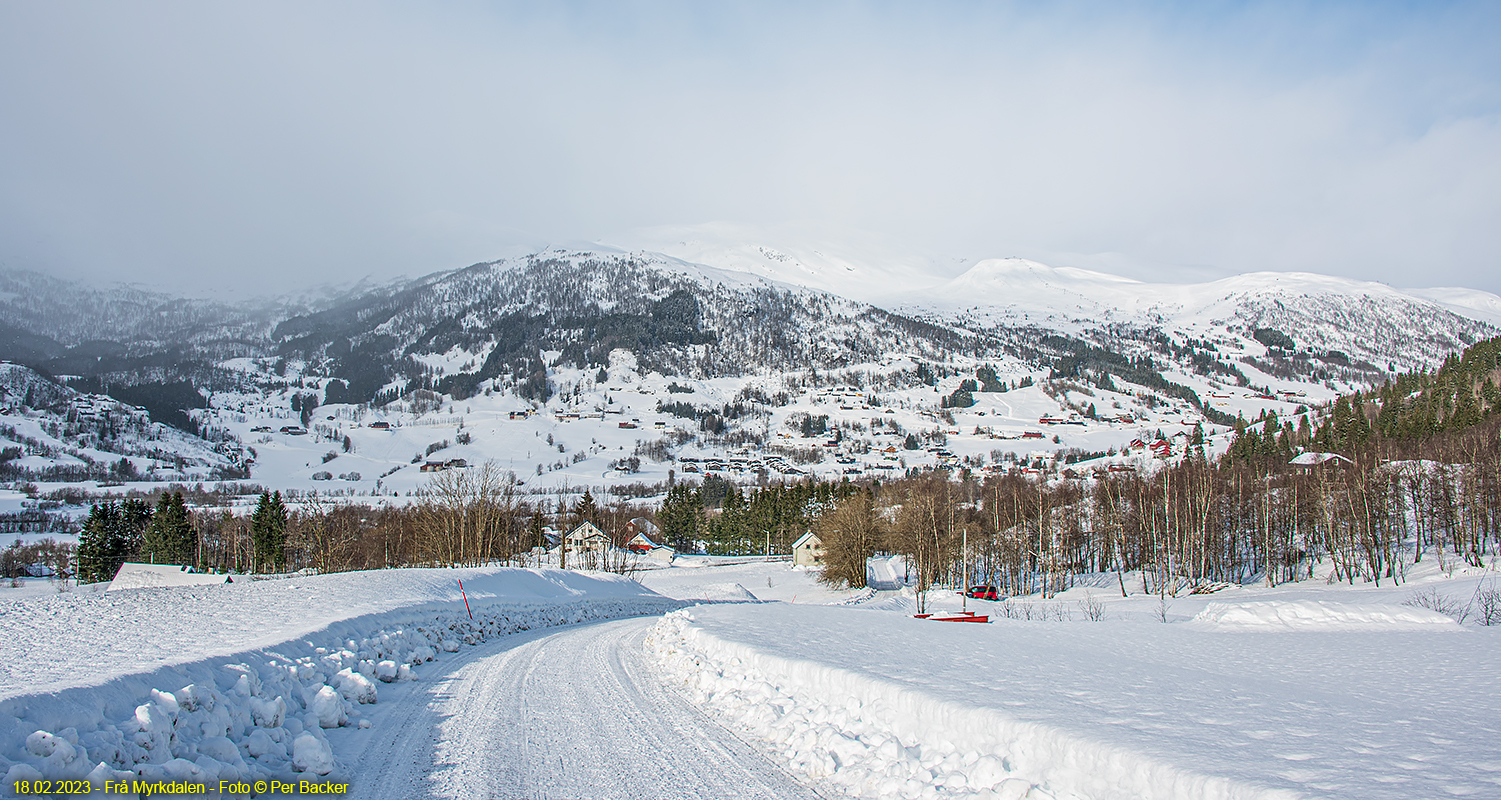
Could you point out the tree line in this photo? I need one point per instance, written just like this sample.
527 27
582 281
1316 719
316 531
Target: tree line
463 517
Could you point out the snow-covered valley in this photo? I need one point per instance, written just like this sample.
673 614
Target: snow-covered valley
600 368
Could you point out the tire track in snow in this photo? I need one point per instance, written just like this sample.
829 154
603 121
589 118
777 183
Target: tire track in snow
562 713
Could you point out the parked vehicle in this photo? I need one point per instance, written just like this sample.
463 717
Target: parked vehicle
982 593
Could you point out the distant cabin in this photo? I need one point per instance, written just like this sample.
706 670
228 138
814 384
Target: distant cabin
381 426
1312 459
808 551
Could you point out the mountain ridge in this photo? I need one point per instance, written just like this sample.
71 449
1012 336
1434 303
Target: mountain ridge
552 329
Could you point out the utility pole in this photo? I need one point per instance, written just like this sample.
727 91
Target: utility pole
964 570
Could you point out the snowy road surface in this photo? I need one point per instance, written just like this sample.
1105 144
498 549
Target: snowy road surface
561 713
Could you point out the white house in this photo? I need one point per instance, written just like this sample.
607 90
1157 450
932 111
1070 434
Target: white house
587 538
807 551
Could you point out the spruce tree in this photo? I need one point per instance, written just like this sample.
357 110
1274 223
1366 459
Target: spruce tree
98 545
586 510
170 538
268 532
679 517
535 531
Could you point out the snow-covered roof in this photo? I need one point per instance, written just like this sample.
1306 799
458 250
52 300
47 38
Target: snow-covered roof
643 539
148 576
585 530
810 535
1311 458
645 526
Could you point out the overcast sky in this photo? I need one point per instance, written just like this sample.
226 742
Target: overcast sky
261 147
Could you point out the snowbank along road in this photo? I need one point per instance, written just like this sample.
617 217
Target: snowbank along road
329 650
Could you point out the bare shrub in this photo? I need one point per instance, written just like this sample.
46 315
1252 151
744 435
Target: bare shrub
1488 605
1091 607
1041 612
1433 600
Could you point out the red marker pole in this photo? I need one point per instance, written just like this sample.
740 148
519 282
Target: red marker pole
466 599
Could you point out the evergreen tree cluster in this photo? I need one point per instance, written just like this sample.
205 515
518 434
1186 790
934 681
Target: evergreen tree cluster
1461 394
963 397
131 531
1271 337
726 520
814 425
1411 407
989 381
112 535
1267 437
304 404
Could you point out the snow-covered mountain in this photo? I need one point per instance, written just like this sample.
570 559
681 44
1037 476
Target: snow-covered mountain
1364 321
713 342
857 265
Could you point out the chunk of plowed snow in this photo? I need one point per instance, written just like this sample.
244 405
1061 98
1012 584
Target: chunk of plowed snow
723 593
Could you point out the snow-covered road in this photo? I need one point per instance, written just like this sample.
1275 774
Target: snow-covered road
559 713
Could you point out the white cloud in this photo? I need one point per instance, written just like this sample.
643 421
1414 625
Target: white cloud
272 143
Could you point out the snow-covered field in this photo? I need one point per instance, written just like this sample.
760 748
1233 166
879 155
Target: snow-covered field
381 678
746 578
1305 690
